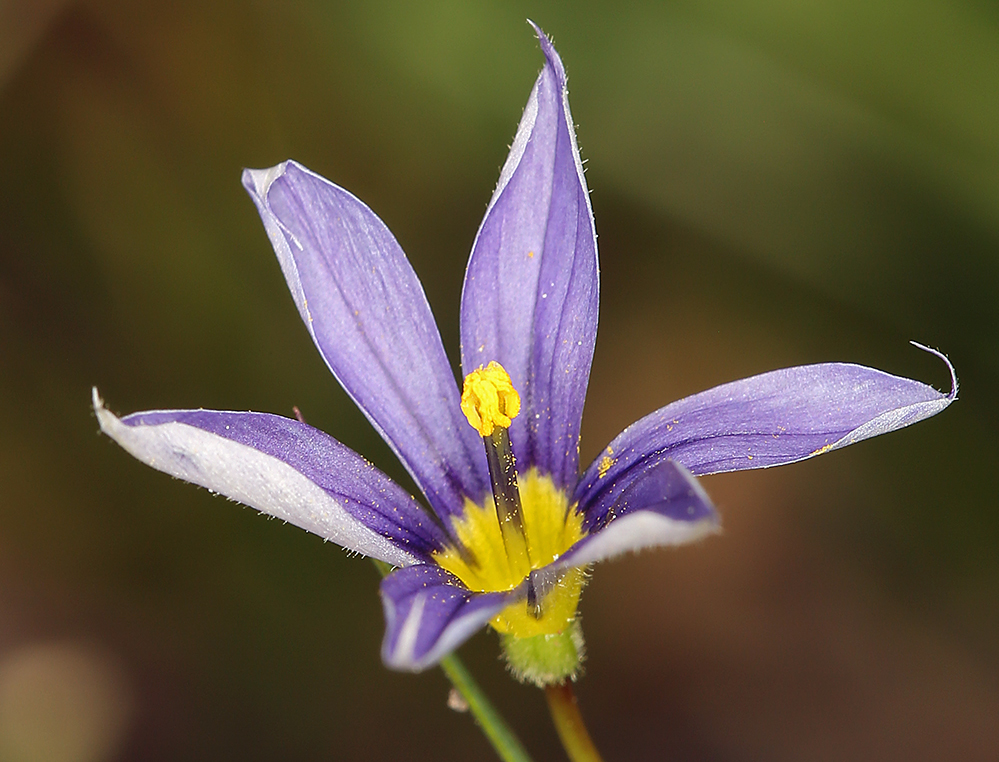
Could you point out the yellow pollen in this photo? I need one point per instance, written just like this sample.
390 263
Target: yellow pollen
606 462
488 399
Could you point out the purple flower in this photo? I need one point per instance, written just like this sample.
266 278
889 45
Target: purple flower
530 304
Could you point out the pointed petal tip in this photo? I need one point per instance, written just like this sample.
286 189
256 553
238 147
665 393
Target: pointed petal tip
259 181
551 55
952 395
105 418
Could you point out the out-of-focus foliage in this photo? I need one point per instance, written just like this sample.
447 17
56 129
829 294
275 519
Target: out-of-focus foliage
774 183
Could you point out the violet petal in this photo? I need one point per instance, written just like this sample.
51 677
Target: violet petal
664 505
367 313
429 613
531 288
767 420
286 469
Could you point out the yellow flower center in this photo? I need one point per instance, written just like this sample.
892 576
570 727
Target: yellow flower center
550 528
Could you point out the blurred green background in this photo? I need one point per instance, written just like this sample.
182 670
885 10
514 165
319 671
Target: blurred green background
774 183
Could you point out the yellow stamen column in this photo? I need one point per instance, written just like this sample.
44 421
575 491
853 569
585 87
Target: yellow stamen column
490 403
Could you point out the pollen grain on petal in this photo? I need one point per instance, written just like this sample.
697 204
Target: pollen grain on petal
605 465
488 399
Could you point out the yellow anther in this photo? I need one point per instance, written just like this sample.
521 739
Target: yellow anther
488 399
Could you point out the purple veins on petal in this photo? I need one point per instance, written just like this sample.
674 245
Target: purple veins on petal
531 289
366 311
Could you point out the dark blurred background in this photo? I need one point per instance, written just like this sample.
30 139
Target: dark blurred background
774 184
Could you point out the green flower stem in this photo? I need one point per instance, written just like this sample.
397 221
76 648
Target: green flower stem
502 738
569 724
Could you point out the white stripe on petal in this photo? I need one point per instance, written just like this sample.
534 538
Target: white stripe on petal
634 532
457 632
405 646
249 476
